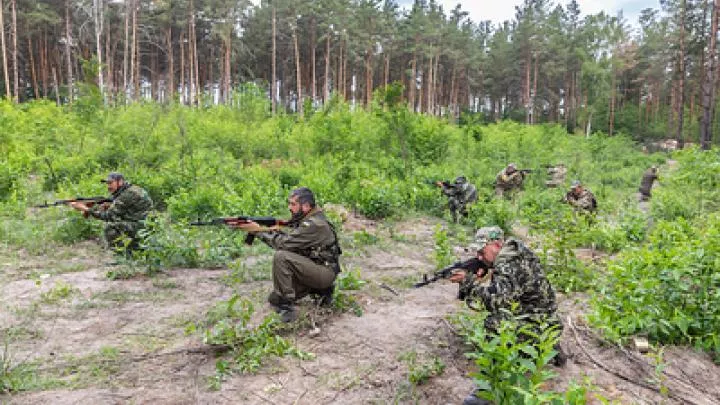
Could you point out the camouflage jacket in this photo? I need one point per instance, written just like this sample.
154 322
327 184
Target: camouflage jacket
464 192
130 203
313 237
557 174
584 201
646 183
517 278
509 181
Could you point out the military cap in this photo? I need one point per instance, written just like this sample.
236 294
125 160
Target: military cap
485 235
113 176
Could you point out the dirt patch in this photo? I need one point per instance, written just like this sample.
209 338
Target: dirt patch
130 335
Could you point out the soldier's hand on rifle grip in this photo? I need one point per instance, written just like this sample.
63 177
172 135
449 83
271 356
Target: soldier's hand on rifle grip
79 206
458 276
246 226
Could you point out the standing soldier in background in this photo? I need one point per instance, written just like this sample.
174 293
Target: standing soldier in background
557 176
509 179
460 194
581 198
125 216
646 183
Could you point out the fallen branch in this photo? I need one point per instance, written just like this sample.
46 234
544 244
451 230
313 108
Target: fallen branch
387 287
619 375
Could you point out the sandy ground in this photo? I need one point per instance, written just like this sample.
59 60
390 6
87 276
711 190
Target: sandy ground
358 359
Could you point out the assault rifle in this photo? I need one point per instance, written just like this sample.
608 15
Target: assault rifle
526 171
439 183
268 222
471 265
89 201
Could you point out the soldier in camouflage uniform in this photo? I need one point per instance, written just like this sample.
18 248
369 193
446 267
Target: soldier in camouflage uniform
306 259
557 176
646 183
125 216
460 194
581 198
516 276
508 179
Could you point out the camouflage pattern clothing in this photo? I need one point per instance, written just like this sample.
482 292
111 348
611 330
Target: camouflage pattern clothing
505 182
557 176
646 183
460 194
306 258
583 200
124 216
517 278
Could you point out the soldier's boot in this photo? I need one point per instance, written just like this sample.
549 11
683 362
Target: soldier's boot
325 297
283 306
560 358
472 399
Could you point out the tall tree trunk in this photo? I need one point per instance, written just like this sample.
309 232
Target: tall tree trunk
526 101
68 50
227 78
99 16
681 80
412 83
299 106
386 72
611 120
43 62
33 73
708 86
171 65
57 88
133 49
128 12
16 82
4 53
326 87
533 95
313 62
182 69
273 85
195 60
368 76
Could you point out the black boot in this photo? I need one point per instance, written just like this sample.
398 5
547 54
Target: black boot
325 297
560 358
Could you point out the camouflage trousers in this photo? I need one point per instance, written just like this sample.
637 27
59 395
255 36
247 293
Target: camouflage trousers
295 276
457 206
115 234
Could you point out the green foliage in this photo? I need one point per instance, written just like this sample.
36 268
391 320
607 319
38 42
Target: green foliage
60 291
510 369
421 368
443 251
250 346
666 289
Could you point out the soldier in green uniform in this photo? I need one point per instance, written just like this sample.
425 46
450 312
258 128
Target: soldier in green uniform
306 259
460 194
515 276
581 198
125 216
646 183
508 179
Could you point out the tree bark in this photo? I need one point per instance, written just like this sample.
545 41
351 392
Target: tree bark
368 76
299 104
171 65
273 85
708 86
681 80
68 51
99 16
16 82
33 73
4 53
312 59
326 87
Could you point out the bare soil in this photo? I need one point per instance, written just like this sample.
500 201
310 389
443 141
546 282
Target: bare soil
358 359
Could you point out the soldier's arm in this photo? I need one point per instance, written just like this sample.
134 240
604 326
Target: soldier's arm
504 287
298 239
113 212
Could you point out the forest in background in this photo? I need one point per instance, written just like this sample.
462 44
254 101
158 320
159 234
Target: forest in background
651 78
